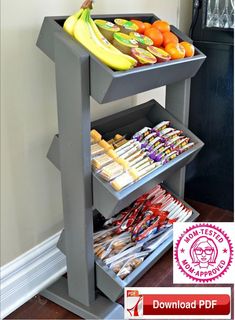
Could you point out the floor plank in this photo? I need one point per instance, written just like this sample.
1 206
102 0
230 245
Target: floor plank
160 275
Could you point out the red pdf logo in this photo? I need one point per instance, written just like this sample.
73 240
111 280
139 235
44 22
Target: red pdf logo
134 303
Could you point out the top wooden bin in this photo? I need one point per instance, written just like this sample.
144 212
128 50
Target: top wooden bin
106 84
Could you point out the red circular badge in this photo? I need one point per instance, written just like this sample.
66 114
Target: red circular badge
203 252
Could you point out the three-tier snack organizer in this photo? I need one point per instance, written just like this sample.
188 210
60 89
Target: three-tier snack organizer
91 289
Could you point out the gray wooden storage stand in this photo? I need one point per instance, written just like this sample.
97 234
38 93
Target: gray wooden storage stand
80 75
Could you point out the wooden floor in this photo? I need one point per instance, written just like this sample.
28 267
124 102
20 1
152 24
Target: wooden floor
160 275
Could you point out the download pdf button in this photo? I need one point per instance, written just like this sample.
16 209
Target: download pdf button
186 304
177 303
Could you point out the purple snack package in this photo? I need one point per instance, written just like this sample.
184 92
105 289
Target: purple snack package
170 156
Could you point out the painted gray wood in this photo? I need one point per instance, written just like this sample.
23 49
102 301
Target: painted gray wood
72 86
177 103
108 85
101 308
79 75
105 199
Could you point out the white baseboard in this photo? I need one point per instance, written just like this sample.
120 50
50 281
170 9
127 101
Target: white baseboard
30 273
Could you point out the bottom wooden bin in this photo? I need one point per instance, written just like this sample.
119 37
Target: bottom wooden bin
113 286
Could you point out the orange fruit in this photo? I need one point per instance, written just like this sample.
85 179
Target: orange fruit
175 50
147 25
155 35
162 26
140 25
169 37
189 48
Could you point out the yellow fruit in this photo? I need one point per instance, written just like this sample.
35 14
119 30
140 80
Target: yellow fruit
83 32
107 45
70 22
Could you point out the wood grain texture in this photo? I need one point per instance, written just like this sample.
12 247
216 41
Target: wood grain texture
160 275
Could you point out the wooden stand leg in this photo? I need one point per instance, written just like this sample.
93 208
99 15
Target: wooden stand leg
177 103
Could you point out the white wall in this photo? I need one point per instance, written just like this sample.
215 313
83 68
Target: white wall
31 206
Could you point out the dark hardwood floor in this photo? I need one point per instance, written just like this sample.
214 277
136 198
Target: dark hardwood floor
160 275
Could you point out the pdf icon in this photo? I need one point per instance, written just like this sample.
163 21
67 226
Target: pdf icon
203 253
134 303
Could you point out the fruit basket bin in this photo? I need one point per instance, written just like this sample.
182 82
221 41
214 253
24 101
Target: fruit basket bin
120 84
109 283
105 199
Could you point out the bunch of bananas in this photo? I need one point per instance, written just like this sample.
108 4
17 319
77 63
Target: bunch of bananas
81 26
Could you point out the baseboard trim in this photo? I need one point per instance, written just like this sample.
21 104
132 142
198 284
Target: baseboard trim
30 273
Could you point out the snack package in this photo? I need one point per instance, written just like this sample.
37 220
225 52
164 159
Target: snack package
176 211
173 141
115 220
117 141
132 250
127 153
142 163
99 148
116 251
101 235
182 142
95 136
173 134
96 150
159 156
117 244
183 215
118 264
131 264
188 215
148 139
131 218
148 217
160 147
112 170
165 131
154 143
186 147
124 179
172 155
156 242
125 146
149 231
148 169
100 161
162 125
136 160
143 133
100 249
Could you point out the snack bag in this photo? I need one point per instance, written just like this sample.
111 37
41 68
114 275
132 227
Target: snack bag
131 250
131 264
152 244
117 265
101 235
143 133
101 247
118 243
161 126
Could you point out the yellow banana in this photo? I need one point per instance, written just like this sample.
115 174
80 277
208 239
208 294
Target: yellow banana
106 44
85 35
71 21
